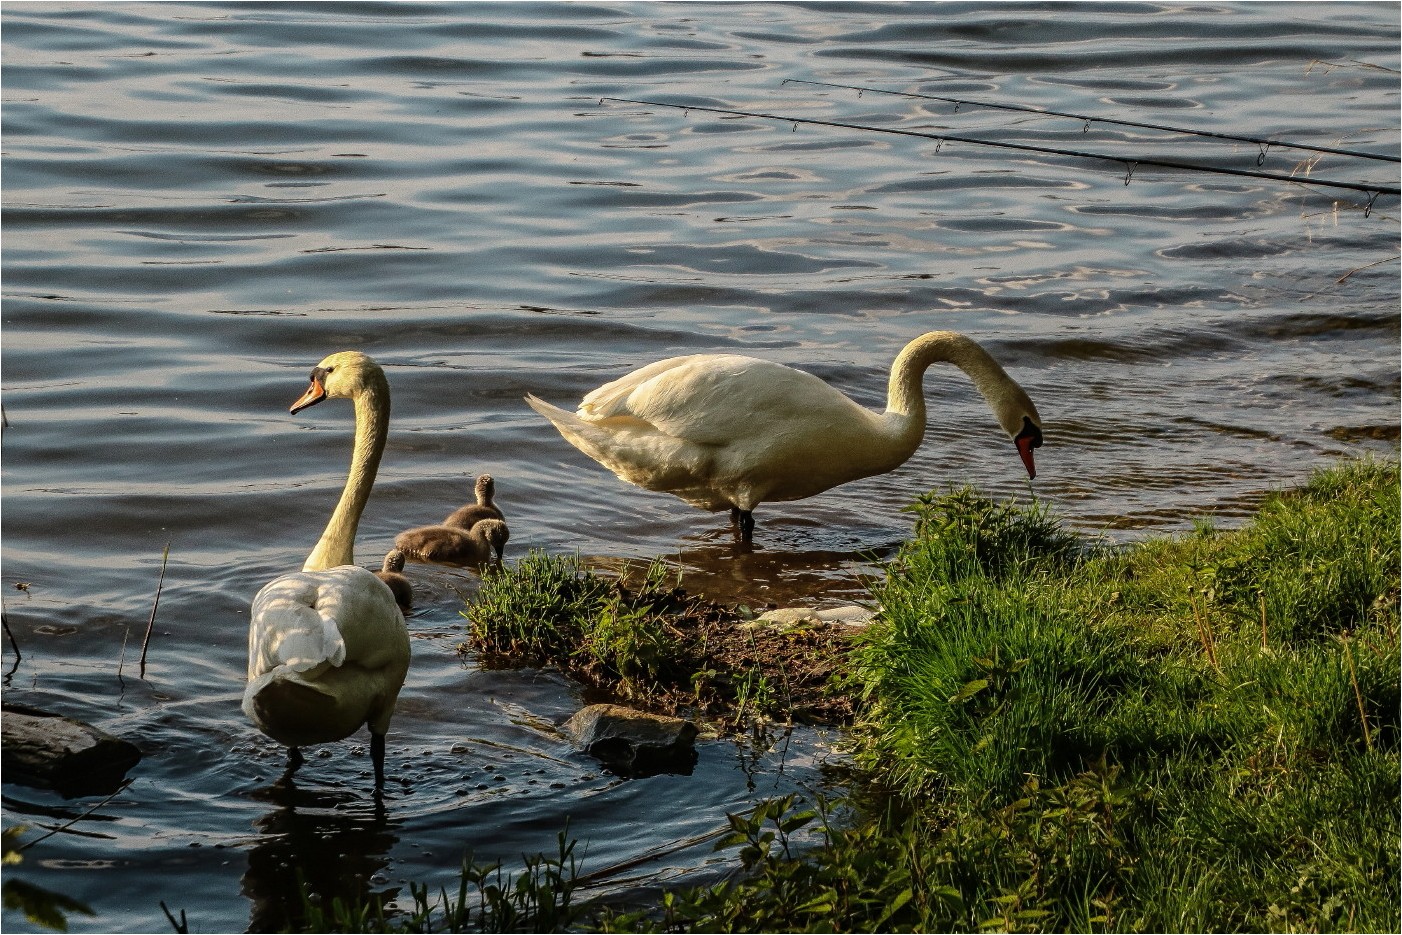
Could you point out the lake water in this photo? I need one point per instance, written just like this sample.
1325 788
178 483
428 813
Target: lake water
203 200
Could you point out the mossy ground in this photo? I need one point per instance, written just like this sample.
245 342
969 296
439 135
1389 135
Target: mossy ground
647 642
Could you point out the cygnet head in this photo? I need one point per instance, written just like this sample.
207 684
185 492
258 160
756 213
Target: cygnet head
342 375
391 574
482 507
495 533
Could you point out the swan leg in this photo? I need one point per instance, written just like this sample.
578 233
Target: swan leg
745 519
377 756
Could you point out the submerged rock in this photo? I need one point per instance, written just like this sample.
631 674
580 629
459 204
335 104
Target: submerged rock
54 752
634 743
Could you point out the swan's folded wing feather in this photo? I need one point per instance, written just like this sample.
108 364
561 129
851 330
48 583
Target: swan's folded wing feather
308 621
370 623
718 399
612 399
287 631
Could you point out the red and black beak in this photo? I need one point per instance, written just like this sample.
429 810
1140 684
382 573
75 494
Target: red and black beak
1030 437
314 394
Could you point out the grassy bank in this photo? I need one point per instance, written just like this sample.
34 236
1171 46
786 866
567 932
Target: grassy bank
1197 733
1193 734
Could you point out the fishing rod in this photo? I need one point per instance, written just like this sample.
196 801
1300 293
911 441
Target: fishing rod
1089 119
1373 191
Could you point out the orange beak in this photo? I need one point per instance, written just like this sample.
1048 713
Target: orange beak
314 394
1024 448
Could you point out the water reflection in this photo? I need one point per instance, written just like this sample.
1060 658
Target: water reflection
316 845
733 573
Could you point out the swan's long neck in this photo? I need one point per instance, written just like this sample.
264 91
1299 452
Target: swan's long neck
337 543
905 399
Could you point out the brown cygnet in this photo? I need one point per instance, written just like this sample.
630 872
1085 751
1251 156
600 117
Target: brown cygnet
465 517
391 574
450 545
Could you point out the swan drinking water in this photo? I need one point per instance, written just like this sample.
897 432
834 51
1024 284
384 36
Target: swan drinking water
327 647
722 431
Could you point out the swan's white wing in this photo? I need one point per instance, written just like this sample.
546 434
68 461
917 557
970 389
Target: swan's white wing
327 652
714 399
611 400
308 621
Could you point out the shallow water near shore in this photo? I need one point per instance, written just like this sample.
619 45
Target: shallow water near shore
202 200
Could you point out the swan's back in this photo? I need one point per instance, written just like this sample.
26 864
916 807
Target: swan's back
715 399
312 619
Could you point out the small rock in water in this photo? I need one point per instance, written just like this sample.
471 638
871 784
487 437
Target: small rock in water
60 753
634 743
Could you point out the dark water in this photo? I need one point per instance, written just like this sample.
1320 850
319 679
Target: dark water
201 201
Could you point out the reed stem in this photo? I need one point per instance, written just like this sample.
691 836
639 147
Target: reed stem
1262 598
150 624
1357 695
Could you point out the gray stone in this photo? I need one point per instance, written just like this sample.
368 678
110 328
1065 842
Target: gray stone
54 752
634 743
849 616
785 618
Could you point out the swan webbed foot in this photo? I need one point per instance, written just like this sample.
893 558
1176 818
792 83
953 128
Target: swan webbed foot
377 756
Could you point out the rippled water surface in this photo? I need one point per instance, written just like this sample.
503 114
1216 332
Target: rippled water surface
203 200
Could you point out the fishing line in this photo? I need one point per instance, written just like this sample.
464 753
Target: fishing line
1131 164
1090 119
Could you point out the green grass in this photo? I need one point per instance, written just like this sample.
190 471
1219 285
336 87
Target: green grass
552 610
1079 739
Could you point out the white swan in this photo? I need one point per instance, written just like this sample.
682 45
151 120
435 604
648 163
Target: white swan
327 646
727 432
